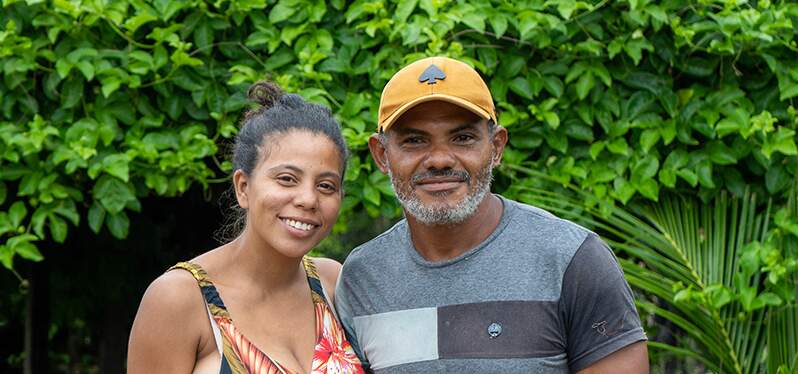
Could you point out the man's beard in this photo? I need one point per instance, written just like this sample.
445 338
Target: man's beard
443 213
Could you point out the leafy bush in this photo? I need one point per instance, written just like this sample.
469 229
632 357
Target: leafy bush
106 102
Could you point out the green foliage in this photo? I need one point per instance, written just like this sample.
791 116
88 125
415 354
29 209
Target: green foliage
716 270
104 103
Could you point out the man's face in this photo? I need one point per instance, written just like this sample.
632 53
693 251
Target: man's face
440 158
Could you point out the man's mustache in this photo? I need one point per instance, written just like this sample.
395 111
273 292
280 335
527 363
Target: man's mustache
462 175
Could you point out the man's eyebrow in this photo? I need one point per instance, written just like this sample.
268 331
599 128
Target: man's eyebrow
410 130
330 174
466 126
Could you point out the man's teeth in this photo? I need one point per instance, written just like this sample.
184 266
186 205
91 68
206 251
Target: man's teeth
298 225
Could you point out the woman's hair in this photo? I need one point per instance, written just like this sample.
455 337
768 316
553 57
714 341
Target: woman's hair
275 114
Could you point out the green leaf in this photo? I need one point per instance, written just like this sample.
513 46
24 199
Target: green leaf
667 177
719 296
282 11
17 213
553 85
113 193
558 141
109 85
71 92
649 138
704 171
203 34
769 298
584 85
551 119
788 90
474 21
28 251
726 127
648 188
623 189
404 8
58 228
118 224
782 141
87 68
3 192
619 147
63 67
7 257
596 148
117 165
688 176
646 168
371 194
721 154
499 23
521 86
96 217
776 178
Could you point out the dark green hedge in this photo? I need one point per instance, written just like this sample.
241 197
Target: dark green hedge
102 102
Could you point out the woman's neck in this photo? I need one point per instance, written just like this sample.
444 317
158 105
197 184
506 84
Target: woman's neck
255 262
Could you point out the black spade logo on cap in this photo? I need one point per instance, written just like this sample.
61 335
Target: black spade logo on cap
431 75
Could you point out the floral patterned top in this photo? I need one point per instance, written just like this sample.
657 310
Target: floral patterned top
333 354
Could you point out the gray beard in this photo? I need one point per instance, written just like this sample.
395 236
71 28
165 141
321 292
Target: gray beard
443 214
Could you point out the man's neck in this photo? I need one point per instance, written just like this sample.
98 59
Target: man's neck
444 242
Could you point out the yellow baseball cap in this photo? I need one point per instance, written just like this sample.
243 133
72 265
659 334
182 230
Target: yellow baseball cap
434 78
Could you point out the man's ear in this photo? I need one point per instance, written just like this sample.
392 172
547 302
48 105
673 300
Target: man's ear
499 140
378 152
241 185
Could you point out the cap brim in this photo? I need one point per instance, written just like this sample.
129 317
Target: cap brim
434 97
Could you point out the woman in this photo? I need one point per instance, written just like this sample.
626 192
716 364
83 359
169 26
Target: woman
289 160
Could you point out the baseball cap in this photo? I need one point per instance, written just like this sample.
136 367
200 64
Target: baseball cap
430 79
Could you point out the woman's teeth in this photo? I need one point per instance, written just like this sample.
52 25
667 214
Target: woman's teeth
298 225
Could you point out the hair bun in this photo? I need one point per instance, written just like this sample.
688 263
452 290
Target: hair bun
265 93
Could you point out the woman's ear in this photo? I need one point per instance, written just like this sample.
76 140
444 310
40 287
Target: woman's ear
241 184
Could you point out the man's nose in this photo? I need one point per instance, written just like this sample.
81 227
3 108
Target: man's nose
439 157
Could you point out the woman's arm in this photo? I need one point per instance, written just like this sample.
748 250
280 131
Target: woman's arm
328 270
168 330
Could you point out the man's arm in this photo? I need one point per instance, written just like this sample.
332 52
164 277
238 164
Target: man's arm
599 318
633 359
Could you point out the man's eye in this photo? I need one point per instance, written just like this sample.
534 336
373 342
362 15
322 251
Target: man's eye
463 138
286 179
328 187
412 140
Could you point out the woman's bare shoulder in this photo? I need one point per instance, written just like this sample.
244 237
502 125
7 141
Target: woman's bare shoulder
170 324
328 270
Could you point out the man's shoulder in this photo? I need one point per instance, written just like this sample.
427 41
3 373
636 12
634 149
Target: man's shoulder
531 219
378 248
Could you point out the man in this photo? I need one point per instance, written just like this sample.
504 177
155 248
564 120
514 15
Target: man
470 282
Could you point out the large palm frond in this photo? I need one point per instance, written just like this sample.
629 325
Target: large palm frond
686 254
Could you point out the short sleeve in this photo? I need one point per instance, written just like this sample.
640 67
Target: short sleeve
596 306
343 307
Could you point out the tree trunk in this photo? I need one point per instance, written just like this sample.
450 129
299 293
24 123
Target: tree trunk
113 338
37 320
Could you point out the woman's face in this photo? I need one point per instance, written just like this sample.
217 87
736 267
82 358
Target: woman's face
293 195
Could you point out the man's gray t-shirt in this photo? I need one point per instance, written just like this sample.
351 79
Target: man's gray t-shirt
539 295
